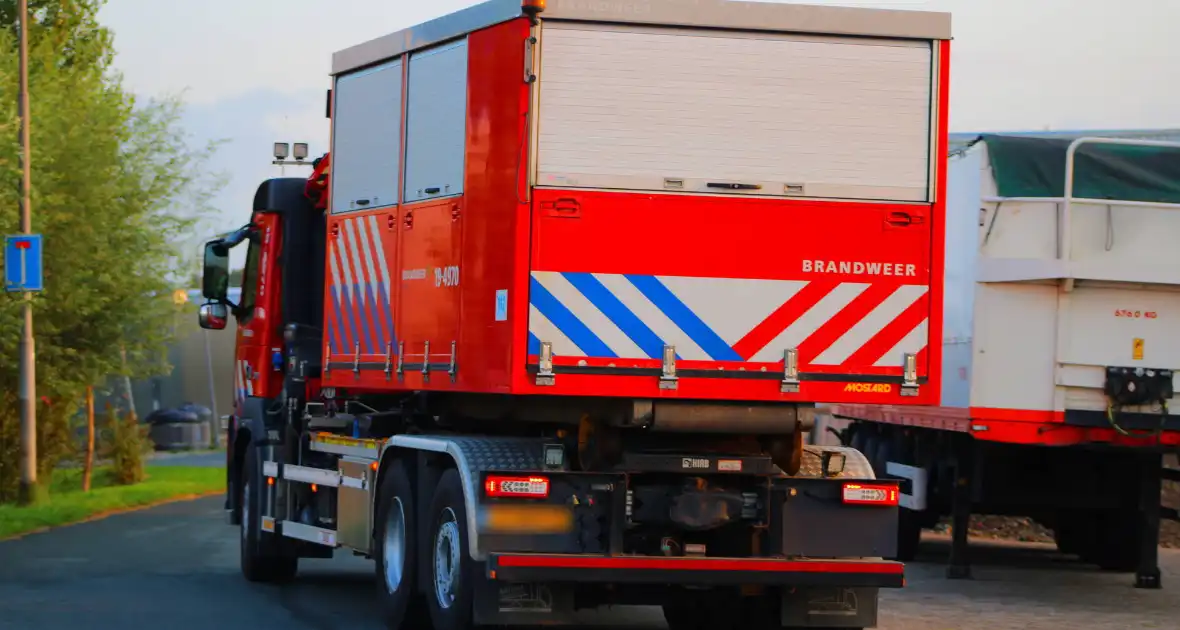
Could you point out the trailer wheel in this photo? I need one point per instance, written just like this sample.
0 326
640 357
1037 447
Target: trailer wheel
1074 532
859 436
685 616
262 561
396 557
450 591
1117 545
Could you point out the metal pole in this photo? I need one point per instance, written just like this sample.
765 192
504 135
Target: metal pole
28 380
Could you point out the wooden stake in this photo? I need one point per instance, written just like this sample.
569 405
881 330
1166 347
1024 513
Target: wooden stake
89 464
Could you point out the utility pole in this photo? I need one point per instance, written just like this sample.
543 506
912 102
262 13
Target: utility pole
28 381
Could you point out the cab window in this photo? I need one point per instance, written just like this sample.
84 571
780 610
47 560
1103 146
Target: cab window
249 276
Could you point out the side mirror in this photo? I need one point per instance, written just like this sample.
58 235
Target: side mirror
215 275
213 316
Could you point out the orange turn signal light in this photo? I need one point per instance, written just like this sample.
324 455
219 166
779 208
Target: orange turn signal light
533 6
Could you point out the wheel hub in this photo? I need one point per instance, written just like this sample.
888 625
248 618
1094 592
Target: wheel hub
393 546
446 560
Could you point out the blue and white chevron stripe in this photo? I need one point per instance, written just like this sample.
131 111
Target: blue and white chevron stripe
634 316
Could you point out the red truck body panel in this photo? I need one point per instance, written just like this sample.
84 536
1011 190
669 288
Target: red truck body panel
737 280
260 323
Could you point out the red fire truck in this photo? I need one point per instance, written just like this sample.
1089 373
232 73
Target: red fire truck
548 333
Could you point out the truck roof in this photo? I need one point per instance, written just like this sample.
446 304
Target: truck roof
727 14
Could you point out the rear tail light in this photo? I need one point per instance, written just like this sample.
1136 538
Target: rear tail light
864 494
518 487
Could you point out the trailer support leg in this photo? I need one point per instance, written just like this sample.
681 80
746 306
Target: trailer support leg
1147 575
960 563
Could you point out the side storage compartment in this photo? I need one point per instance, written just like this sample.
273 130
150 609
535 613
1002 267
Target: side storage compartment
431 220
361 251
355 504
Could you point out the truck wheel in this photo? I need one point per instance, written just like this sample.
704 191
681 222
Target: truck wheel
396 557
260 562
450 591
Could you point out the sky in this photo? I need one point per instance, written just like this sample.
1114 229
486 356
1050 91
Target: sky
256 72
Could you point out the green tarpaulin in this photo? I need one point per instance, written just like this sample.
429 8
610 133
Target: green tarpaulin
1035 167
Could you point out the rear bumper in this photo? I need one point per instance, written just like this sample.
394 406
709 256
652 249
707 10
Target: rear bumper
529 568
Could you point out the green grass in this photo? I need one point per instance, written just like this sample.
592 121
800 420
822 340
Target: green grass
66 503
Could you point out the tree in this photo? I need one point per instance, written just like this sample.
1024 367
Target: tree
235 278
116 188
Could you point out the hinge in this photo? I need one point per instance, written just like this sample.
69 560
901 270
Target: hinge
790 384
668 378
545 375
529 46
909 384
453 370
426 362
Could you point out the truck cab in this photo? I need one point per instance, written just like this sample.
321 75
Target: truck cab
277 352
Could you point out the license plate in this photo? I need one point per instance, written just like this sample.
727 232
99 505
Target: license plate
527 519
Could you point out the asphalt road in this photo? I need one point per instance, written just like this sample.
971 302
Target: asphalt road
175 567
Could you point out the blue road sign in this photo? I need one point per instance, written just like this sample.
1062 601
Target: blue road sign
23 271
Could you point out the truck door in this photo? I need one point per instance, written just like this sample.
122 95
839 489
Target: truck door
255 372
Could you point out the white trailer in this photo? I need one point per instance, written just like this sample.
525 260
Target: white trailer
1060 345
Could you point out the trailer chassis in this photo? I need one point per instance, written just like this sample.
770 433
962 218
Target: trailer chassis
1083 491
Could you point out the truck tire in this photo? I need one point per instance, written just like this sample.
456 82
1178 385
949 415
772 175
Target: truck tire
450 591
260 561
394 536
